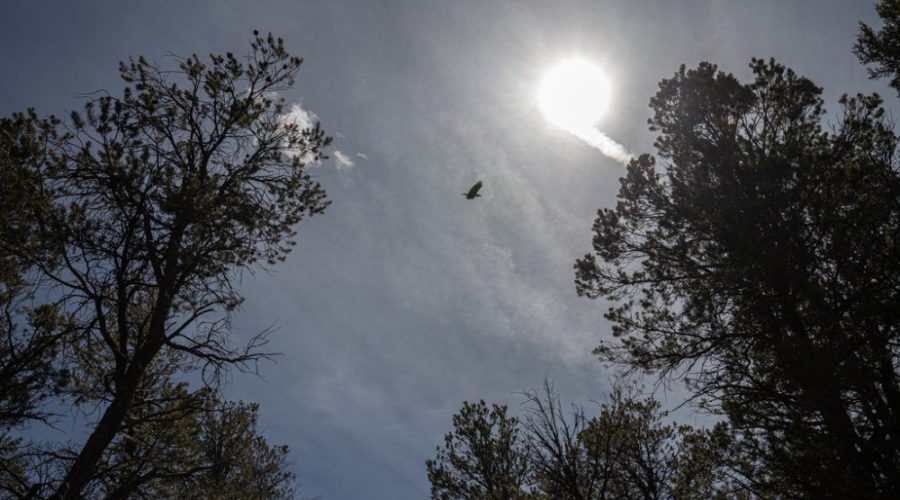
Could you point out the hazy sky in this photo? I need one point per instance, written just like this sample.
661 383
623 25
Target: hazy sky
404 299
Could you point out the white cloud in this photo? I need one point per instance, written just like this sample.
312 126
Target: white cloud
603 143
298 116
342 160
303 119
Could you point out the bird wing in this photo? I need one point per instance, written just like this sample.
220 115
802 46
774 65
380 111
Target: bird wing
474 190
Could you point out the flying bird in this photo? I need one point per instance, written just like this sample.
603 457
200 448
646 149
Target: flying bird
473 191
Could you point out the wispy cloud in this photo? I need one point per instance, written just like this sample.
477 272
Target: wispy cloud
342 160
296 115
602 142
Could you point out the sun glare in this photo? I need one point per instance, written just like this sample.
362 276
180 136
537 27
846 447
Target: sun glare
574 95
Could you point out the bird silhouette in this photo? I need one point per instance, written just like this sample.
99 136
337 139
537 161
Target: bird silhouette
473 191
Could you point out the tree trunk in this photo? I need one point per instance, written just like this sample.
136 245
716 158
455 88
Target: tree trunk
86 463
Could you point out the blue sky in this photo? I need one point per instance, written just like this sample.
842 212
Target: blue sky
404 299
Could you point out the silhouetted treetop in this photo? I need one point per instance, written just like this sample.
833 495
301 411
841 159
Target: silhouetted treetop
142 211
880 48
759 263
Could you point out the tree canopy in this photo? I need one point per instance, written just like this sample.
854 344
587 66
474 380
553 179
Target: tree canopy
759 261
625 451
126 227
482 458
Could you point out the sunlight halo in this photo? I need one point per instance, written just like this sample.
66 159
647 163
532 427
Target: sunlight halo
574 95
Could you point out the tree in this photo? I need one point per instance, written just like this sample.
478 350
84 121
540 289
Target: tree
881 48
219 454
561 466
638 455
194 446
156 202
482 458
626 451
241 464
760 263
178 443
29 331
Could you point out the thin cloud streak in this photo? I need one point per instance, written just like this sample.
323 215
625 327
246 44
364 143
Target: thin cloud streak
602 142
342 160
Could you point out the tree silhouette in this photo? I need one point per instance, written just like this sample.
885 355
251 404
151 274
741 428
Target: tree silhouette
625 451
482 458
759 263
880 49
30 331
152 205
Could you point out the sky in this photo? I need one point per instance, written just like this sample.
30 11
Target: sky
404 299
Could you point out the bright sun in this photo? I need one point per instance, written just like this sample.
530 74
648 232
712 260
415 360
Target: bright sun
574 95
